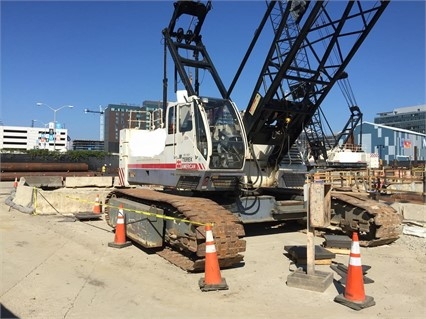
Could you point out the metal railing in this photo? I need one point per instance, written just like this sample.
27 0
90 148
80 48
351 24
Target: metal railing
146 120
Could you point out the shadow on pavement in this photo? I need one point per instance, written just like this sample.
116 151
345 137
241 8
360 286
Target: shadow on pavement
6 313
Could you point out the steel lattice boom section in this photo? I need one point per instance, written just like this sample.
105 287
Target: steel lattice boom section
314 42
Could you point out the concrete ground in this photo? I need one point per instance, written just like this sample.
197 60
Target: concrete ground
52 267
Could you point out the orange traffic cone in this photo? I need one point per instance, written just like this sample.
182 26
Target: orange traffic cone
120 231
15 183
212 279
354 295
97 207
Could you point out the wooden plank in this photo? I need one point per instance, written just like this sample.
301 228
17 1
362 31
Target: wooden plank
317 261
339 251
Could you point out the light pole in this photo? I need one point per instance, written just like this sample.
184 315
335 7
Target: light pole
33 121
54 118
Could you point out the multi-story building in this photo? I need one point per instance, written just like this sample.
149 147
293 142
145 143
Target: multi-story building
412 118
28 138
116 118
87 145
391 143
148 107
120 116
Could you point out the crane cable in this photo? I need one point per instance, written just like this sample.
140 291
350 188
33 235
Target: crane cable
344 83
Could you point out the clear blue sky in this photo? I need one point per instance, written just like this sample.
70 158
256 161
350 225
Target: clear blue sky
92 53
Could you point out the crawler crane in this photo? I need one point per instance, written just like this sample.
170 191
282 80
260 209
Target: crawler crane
205 161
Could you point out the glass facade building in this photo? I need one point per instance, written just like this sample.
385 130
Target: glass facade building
87 145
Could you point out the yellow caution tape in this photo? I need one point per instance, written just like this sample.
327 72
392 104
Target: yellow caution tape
145 213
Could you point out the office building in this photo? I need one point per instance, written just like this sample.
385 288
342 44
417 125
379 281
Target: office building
412 118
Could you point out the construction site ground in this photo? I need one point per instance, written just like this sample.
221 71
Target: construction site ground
55 267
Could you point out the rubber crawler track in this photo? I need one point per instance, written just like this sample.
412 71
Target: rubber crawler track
227 229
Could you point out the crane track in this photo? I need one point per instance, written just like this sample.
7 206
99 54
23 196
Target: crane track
380 222
227 229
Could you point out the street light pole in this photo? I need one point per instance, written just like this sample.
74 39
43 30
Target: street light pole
33 121
54 119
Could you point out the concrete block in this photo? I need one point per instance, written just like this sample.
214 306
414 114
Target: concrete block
43 181
319 281
69 201
24 195
6 187
88 181
409 187
411 211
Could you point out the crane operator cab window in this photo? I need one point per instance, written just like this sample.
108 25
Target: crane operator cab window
226 134
185 118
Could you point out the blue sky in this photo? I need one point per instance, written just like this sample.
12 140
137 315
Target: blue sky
92 53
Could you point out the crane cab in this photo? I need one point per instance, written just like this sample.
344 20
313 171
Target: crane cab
200 146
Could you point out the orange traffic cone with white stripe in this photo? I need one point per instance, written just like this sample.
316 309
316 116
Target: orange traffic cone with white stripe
120 231
212 278
97 207
15 183
354 295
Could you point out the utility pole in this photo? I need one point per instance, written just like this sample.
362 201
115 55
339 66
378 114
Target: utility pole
101 121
